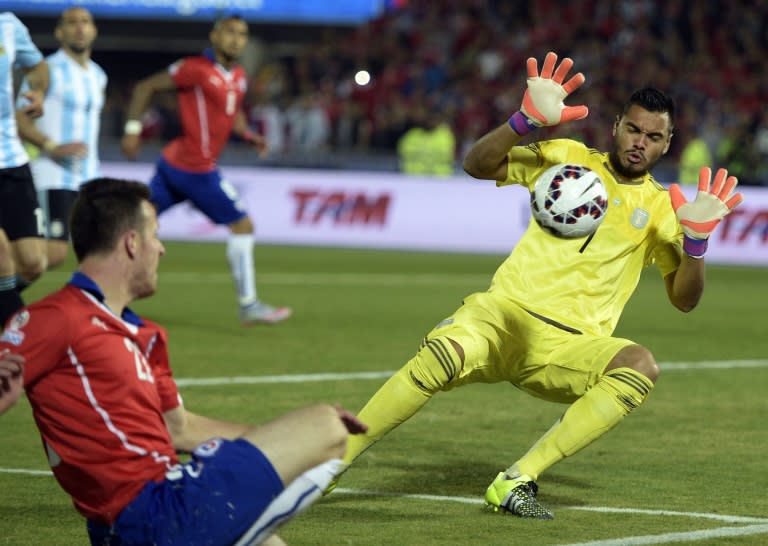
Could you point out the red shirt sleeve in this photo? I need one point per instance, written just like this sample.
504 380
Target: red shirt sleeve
185 72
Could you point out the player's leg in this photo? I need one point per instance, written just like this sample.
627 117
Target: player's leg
625 375
465 348
607 378
30 257
56 205
163 194
10 299
241 264
435 365
307 471
23 223
220 201
233 492
212 499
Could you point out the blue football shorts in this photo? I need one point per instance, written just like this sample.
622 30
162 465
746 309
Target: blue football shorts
208 192
211 500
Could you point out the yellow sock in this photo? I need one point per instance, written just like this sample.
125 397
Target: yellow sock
396 401
601 408
433 367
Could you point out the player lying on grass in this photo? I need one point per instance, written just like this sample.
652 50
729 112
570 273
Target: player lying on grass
546 322
111 418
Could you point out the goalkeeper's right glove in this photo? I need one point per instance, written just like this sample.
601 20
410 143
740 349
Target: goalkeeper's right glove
700 217
543 100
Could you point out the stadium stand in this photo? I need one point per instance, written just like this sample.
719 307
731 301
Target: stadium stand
465 58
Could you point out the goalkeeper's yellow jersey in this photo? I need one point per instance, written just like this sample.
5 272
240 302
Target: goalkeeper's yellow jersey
587 286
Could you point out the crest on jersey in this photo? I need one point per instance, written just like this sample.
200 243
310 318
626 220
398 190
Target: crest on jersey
13 333
208 448
639 218
19 320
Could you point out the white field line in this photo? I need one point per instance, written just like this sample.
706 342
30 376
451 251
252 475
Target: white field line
685 536
315 377
26 471
292 378
478 501
605 509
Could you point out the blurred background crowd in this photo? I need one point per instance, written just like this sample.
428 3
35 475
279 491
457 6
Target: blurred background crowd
449 71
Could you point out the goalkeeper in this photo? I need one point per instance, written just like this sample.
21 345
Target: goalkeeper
554 340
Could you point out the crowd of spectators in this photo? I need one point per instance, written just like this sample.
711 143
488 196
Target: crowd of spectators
466 59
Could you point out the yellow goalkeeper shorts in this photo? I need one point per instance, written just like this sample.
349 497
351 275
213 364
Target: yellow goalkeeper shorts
504 342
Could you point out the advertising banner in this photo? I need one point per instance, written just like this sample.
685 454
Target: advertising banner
389 210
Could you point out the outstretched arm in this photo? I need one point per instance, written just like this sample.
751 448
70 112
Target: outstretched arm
542 107
686 285
698 219
140 99
241 129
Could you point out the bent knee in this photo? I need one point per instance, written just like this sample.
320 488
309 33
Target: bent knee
31 268
333 428
243 226
637 358
57 254
437 363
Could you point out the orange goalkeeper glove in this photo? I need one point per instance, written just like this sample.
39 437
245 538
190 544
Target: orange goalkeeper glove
543 100
701 216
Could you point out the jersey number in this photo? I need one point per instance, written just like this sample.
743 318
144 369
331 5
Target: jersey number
143 371
40 220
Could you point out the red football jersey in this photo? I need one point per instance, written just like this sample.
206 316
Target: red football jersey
98 387
209 96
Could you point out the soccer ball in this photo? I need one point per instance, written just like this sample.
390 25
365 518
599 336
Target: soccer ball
569 201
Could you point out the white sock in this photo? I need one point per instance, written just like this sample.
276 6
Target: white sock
300 494
240 257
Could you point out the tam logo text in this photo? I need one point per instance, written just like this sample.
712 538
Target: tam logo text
340 207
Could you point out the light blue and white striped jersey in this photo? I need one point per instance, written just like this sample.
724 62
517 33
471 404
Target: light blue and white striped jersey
72 113
16 51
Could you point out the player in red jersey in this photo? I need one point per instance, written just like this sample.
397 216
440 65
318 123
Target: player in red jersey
210 90
110 415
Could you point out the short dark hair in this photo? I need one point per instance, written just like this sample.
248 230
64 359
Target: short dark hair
104 209
228 17
652 100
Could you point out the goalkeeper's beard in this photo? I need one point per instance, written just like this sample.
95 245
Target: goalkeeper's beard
622 170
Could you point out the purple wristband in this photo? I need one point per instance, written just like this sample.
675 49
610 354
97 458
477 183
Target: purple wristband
695 248
521 124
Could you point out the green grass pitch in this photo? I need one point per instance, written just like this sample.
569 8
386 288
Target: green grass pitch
696 447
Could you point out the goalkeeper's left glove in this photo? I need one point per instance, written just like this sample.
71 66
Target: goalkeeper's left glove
701 216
